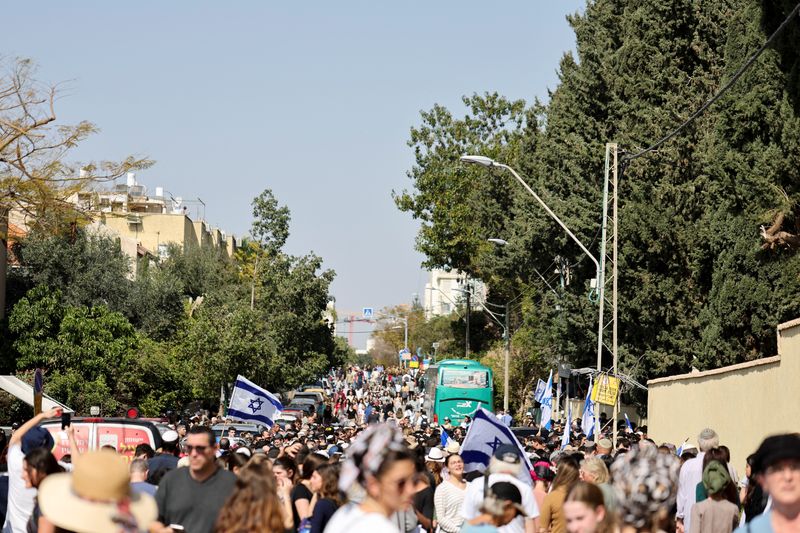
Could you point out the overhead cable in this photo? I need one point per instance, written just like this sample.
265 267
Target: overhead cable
747 64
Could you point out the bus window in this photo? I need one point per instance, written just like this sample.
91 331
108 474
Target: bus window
464 378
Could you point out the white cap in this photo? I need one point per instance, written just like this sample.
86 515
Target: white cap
170 436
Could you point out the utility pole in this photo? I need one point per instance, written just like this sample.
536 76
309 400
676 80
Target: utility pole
469 305
3 258
508 356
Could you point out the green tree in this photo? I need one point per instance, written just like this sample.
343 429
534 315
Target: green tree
85 351
36 178
700 284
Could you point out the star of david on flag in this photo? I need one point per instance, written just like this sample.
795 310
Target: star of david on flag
485 435
251 403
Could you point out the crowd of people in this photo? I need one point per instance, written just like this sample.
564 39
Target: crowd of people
371 460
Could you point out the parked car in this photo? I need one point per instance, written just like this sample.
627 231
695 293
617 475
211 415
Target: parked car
221 430
299 410
318 397
124 434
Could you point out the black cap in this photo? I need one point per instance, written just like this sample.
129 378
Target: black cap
508 453
775 449
505 491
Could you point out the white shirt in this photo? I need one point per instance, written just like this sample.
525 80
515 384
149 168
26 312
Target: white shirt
20 499
691 474
351 519
473 499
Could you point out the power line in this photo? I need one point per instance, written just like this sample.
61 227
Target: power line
747 64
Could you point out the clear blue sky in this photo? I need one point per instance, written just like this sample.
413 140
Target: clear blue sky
311 99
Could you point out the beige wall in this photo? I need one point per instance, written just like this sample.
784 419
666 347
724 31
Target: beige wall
163 228
744 403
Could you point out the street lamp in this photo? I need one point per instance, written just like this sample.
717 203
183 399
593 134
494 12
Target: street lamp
507 339
490 163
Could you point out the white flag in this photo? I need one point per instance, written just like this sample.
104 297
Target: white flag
547 403
587 420
251 403
485 435
567 427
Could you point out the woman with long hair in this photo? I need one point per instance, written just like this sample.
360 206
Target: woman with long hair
449 495
325 484
256 503
302 493
542 475
381 467
585 511
37 465
730 493
552 518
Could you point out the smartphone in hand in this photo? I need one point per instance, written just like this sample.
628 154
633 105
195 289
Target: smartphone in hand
66 420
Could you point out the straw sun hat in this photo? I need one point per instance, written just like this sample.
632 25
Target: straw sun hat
96 497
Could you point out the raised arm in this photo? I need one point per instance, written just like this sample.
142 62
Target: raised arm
16 438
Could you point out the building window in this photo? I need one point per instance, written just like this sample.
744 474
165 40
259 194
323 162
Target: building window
163 251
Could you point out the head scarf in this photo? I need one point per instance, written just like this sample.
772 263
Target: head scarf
644 481
367 453
715 477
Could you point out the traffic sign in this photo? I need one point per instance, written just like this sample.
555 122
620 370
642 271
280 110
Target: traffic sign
367 313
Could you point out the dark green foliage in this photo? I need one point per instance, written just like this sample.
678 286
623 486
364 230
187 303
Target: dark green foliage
697 288
178 331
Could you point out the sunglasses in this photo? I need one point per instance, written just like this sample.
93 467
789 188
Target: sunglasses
199 449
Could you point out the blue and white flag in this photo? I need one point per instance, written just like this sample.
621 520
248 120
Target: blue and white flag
485 435
587 420
567 427
251 403
628 423
539 392
679 452
445 438
547 404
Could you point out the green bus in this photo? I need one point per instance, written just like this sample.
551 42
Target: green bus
456 388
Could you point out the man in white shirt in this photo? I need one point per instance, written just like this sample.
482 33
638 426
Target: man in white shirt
692 474
505 465
20 499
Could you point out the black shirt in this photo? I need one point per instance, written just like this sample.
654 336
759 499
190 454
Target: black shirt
299 492
192 504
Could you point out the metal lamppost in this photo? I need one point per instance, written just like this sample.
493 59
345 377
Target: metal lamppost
490 163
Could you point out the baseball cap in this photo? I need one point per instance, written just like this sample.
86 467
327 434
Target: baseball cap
503 491
508 453
37 437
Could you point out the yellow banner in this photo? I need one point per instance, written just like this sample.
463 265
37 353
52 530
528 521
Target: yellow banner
605 390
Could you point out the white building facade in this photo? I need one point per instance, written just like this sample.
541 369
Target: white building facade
446 291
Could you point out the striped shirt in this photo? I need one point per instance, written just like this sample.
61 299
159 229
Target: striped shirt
447 501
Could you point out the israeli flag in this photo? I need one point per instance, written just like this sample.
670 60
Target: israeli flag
587 420
445 438
547 404
628 423
567 427
485 435
680 450
251 403
539 392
